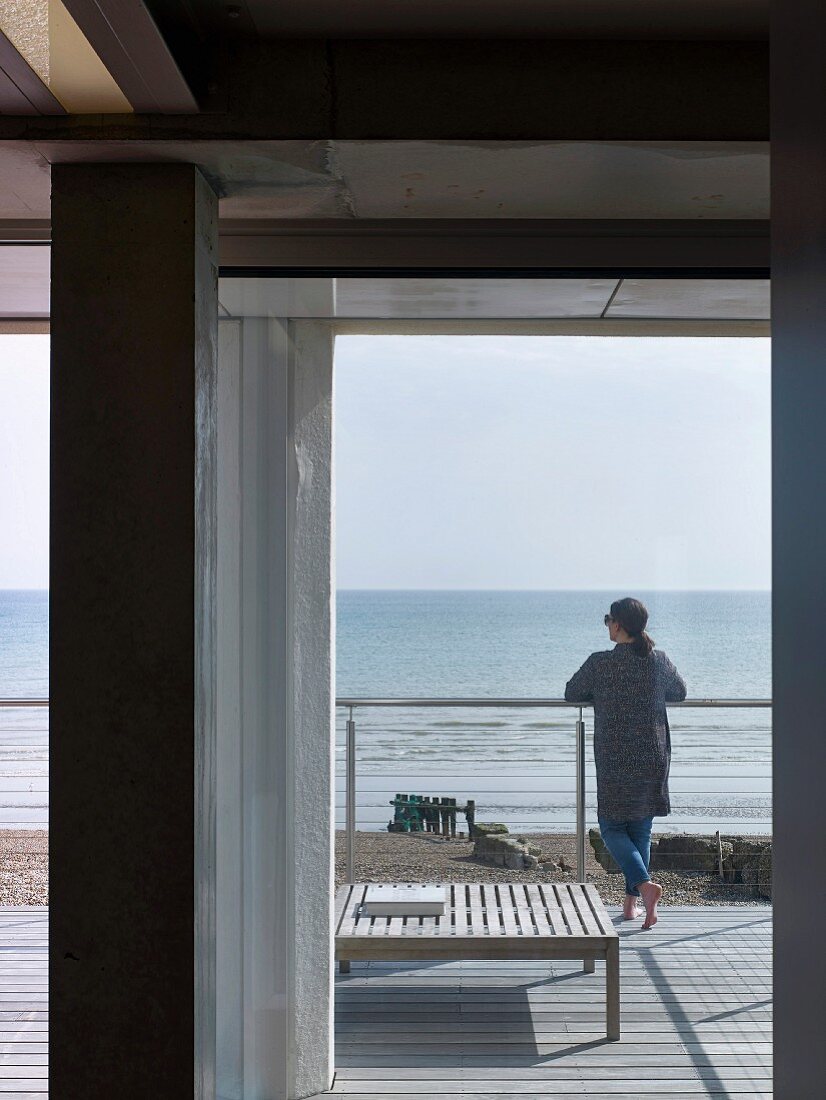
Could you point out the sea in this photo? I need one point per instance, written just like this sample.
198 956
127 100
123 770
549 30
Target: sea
516 763
24 733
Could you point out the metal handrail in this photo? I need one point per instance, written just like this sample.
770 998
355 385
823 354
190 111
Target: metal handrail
498 704
528 702
726 703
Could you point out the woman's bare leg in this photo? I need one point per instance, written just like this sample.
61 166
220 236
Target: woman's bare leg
631 910
651 894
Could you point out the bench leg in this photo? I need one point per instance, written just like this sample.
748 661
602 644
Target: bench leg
612 990
589 966
343 966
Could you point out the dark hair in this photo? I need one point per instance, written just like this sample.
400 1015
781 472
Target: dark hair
632 616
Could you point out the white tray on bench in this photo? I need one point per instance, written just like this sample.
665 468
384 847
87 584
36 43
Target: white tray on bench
400 900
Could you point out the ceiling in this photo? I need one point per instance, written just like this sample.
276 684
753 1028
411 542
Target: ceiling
87 57
115 57
688 19
264 183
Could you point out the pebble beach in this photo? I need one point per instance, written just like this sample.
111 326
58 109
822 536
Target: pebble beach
24 867
405 857
419 857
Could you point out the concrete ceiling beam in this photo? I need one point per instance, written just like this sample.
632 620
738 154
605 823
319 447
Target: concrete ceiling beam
555 183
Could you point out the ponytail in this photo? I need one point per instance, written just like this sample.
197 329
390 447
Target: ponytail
632 616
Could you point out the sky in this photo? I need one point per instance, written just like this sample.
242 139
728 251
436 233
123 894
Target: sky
24 461
552 463
499 462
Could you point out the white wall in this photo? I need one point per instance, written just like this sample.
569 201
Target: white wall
275 743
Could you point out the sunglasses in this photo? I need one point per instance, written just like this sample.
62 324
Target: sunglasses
608 619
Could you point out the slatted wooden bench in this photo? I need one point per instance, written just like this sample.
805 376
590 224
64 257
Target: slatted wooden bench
490 921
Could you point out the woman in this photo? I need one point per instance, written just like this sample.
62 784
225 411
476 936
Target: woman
629 686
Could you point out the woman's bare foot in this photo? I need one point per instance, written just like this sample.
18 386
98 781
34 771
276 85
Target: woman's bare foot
651 894
630 911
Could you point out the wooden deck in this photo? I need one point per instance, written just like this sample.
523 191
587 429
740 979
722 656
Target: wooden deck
24 1015
696 996
696 1014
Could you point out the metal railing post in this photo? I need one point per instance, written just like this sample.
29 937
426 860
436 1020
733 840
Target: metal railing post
350 795
580 798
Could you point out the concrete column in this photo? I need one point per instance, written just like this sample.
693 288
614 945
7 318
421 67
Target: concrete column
134 332
275 769
799 541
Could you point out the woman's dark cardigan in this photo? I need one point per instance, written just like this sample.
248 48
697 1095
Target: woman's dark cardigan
632 740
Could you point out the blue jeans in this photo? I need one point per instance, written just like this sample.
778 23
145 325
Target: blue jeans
629 842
